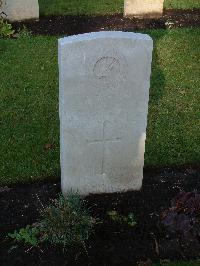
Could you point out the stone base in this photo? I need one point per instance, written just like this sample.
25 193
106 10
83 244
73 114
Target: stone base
18 10
143 9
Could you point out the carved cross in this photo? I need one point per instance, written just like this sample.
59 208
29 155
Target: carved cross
103 140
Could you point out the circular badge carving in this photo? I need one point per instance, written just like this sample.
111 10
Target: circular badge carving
106 67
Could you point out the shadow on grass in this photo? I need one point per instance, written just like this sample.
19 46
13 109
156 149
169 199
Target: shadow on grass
157 76
157 90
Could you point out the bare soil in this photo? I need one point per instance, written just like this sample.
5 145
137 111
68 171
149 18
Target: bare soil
69 25
112 243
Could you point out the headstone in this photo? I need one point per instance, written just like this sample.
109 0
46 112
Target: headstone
18 10
104 91
143 8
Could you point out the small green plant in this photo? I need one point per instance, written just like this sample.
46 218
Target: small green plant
67 222
6 29
128 220
24 32
28 235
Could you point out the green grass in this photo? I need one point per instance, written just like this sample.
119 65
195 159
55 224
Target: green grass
28 108
174 113
182 4
29 104
83 7
95 7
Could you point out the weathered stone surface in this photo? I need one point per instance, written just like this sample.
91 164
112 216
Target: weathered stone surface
17 10
104 91
143 8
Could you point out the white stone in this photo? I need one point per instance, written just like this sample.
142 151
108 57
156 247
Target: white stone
18 10
103 104
143 8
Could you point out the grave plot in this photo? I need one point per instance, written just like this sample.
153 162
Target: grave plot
91 137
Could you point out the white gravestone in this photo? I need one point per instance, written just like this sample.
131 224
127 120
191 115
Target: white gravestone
17 10
104 91
143 8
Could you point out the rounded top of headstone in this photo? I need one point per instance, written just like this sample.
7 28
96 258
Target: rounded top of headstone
104 34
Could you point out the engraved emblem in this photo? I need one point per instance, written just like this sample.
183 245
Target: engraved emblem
106 67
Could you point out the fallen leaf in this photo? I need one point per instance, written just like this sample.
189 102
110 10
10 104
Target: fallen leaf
49 146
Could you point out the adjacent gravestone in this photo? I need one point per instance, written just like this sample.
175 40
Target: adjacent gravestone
144 8
17 10
104 92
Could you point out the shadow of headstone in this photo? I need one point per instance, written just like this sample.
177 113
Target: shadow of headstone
157 77
157 91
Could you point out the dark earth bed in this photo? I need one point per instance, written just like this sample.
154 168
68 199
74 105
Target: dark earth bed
69 25
112 243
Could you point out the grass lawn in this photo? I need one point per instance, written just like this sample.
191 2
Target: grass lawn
74 7
29 105
84 7
182 4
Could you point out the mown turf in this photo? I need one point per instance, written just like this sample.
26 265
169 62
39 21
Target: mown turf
182 4
76 7
28 109
96 7
174 113
29 105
